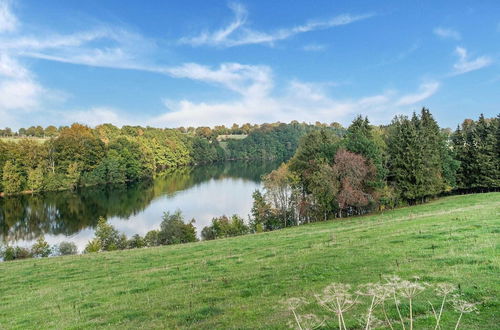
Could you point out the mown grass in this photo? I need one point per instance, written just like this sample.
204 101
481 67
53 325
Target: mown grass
241 282
19 139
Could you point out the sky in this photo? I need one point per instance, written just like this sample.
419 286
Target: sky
193 63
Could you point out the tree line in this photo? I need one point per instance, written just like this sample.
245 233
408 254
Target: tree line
78 155
409 161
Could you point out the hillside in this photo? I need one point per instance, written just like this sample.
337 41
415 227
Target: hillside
241 282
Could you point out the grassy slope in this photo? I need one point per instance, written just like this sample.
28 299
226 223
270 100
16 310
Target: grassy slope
240 282
16 140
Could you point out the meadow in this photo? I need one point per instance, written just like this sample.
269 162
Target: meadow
242 282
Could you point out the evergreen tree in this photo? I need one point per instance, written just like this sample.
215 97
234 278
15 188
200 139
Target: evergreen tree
360 140
432 147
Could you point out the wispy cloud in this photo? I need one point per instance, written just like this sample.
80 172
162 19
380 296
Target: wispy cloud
464 64
237 32
8 21
447 33
255 97
425 91
258 101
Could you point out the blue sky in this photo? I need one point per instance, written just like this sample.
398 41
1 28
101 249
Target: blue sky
191 63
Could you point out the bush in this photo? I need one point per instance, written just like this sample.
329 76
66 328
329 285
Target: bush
173 230
41 248
109 238
67 248
225 227
151 238
136 242
13 253
93 246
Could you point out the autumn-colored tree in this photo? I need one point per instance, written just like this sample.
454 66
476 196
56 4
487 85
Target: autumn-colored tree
353 173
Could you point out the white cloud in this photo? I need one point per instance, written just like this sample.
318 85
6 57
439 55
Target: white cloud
95 116
425 91
447 33
464 65
121 49
299 101
11 68
237 33
8 22
18 89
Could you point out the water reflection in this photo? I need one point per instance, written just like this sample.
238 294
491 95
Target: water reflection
200 192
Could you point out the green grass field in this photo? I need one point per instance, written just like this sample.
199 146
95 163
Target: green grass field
17 139
240 283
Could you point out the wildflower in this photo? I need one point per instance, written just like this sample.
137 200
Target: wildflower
337 298
463 307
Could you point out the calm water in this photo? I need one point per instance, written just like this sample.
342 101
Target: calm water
201 192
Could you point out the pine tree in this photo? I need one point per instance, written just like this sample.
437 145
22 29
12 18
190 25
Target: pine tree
485 142
359 140
432 146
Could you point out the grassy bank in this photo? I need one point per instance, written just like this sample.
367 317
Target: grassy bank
241 282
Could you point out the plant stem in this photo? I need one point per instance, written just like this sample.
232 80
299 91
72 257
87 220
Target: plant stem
296 319
343 322
339 313
369 314
399 313
386 317
458 322
411 317
440 311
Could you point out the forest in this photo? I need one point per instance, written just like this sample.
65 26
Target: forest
51 159
372 168
327 171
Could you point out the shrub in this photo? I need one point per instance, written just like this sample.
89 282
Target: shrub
225 227
67 248
15 252
93 246
109 238
151 238
136 242
173 230
41 248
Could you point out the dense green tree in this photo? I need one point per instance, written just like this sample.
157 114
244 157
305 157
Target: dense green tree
151 238
13 181
35 179
262 217
360 140
108 237
475 145
225 227
173 230
316 148
136 242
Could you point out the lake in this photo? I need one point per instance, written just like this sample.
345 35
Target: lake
200 192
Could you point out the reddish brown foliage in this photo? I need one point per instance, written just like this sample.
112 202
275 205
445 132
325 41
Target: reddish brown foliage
353 172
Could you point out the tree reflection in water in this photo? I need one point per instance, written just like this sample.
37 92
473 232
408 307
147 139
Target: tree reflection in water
26 217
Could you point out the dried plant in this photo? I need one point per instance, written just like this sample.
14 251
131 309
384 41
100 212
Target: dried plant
463 307
379 293
409 290
393 284
337 298
302 322
442 290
